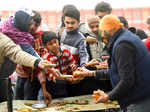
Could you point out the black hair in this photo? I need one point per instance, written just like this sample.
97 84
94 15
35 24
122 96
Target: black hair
123 21
47 36
66 7
37 17
103 7
73 13
141 34
132 29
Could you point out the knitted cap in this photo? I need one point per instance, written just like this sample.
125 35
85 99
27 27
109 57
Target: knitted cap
109 22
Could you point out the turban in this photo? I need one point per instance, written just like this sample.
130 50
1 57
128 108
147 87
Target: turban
109 22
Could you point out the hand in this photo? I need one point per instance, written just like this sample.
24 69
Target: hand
56 73
47 97
102 65
92 63
74 80
82 72
103 97
42 64
73 67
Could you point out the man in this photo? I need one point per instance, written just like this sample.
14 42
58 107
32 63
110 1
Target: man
102 9
129 67
9 49
74 41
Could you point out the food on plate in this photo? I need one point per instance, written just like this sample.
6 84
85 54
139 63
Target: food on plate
96 95
67 76
25 110
49 65
76 73
28 104
90 39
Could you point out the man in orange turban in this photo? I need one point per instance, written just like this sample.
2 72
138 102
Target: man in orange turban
129 67
109 25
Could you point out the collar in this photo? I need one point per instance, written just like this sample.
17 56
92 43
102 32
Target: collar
74 31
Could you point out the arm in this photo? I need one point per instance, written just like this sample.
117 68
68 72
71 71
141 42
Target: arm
102 74
9 49
83 53
125 56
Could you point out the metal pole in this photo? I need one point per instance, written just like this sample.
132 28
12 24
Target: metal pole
9 96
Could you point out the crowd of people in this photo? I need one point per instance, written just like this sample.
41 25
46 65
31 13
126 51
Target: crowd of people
112 57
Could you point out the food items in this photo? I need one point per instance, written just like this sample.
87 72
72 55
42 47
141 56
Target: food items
67 76
90 40
49 65
76 74
25 110
77 101
96 95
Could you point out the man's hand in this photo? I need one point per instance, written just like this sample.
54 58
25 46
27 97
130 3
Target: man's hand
92 63
103 97
42 64
47 97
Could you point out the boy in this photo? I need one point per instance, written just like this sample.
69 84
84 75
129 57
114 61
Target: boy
63 59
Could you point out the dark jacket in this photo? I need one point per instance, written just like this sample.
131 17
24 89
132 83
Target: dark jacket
141 88
75 43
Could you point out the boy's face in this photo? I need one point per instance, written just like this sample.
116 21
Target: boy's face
53 46
71 23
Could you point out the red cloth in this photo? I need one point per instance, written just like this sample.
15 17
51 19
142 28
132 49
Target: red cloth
147 43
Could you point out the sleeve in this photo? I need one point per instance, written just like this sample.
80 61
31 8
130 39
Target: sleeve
125 55
102 74
29 49
9 49
84 57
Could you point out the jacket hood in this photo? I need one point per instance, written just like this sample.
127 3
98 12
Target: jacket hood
22 18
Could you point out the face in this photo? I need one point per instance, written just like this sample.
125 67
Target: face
53 46
106 35
148 24
71 23
101 14
94 27
33 26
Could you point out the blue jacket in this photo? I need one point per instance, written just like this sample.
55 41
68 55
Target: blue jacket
75 43
141 89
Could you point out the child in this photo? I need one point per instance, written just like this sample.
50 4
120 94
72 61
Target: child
63 59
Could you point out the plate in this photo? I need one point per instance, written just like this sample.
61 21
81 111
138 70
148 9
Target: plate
39 106
50 65
67 76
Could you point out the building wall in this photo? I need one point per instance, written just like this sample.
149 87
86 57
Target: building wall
135 16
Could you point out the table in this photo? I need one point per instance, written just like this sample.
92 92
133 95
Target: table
20 104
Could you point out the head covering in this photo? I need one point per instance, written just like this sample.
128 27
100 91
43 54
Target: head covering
92 19
22 18
15 34
109 22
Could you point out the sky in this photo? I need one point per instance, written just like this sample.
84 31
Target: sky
58 4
